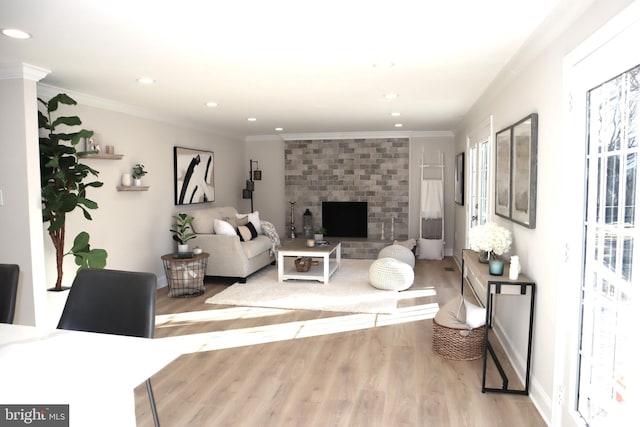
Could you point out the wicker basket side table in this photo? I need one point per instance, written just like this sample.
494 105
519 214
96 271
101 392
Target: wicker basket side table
185 276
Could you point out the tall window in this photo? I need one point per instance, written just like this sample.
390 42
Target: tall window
478 184
608 323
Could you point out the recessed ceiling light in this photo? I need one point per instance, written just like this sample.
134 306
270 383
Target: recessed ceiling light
252 119
211 104
14 33
145 81
391 95
383 65
398 125
279 129
395 114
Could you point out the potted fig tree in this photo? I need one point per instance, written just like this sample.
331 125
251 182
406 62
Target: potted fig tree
64 183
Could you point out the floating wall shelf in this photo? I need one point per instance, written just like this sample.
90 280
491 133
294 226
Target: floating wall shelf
102 156
133 188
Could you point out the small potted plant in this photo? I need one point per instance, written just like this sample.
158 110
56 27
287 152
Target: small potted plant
319 233
138 172
182 230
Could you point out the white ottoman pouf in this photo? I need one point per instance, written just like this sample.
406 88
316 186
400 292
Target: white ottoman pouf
399 252
390 274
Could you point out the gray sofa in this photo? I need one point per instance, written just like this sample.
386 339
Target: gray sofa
228 255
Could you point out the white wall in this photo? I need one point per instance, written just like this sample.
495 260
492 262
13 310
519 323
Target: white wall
134 226
268 197
532 82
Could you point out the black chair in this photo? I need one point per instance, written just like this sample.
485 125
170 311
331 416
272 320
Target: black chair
9 275
113 302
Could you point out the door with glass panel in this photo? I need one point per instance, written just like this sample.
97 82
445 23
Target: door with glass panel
605 107
607 334
478 207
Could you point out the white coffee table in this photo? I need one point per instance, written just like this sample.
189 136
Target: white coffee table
329 260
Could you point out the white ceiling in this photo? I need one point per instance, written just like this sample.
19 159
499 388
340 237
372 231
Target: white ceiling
305 66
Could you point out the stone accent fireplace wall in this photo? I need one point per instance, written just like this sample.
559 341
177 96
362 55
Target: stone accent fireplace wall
375 171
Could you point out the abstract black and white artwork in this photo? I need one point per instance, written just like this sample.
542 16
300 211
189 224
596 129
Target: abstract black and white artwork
193 176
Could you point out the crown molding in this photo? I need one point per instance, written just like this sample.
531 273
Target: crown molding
350 135
22 71
49 91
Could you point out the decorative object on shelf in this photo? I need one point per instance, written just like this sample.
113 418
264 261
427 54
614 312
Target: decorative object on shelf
63 185
254 175
303 264
490 238
182 230
292 222
318 235
311 243
92 144
514 268
193 176
126 179
138 172
496 267
197 250
516 171
307 224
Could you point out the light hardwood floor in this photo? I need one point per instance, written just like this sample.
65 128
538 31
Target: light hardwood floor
384 376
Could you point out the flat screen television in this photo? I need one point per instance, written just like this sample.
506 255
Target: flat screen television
345 219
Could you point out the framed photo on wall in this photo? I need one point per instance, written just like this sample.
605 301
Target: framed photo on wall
459 179
193 176
503 173
524 171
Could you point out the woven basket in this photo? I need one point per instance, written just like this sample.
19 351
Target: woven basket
448 342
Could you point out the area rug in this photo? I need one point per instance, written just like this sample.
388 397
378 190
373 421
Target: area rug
348 291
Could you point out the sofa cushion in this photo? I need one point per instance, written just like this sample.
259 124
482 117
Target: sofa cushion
256 246
203 217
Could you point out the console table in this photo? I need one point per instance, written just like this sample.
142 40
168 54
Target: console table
487 289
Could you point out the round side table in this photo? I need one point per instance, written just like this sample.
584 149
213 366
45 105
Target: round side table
185 276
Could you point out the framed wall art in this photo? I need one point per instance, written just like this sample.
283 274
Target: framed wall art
516 171
459 179
503 173
524 168
193 176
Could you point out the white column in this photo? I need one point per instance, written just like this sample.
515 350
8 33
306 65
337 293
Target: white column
21 224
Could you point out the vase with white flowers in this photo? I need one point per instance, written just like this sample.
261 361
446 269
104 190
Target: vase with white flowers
491 240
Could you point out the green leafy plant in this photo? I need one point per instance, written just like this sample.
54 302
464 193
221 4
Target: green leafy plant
63 184
138 171
320 230
181 227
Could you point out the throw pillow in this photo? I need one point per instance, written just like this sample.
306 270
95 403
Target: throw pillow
247 232
242 220
223 227
233 222
476 316
254 218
